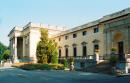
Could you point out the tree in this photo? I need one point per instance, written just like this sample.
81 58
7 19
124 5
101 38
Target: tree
42 47
52 52
6 55
54 58
46 49
2 49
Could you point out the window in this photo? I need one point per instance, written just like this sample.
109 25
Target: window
96 47
84 51
75 51
59 39
84 33
66 37
59 53
66 52
74 35
96 30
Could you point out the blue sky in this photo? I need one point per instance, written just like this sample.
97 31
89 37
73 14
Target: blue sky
68 13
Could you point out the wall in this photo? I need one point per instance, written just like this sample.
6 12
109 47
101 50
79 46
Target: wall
88 38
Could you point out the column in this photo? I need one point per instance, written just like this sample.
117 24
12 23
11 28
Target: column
23 47
11 48
15 50
128 39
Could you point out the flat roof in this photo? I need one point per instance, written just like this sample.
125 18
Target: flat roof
96 22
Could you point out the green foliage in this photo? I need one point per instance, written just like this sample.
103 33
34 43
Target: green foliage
52 52
57 66
113 60
46 49
2 49
71 59
65 63
35 67
113 49
54 58
41 66
6 54
42 47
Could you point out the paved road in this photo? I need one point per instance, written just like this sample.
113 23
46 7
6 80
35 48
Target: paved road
21 76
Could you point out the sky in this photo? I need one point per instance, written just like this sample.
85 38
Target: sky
68 13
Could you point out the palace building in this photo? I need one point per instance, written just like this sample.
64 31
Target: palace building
23 41
110 31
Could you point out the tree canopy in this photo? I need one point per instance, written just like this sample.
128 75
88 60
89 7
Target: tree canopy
2 48
46 49
4 52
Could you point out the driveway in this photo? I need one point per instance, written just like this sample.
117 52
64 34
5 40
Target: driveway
14 75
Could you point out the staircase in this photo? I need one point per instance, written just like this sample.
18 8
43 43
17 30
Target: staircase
6 64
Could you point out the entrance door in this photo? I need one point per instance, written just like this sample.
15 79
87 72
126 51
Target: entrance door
121 51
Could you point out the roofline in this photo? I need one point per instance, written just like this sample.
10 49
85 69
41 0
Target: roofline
96 22
15 29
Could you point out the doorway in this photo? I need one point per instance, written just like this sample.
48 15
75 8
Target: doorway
121 51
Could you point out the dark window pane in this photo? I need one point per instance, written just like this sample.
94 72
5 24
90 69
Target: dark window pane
74 35
96 47
96 30
59 53
66 52
84 51
75 51
59 39
84 33
66 37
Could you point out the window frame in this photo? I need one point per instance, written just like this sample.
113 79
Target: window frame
59 52
74 35
66 37
84 33
96 30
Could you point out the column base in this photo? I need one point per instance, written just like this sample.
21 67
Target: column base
15 61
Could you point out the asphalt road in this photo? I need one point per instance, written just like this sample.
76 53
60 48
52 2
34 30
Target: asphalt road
21 76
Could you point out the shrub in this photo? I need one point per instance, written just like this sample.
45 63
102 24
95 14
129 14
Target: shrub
71 59
26 66
57 66
65 63
35 67
113 49
113 60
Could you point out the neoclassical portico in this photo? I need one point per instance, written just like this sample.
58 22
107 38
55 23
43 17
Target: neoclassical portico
15 44
23 41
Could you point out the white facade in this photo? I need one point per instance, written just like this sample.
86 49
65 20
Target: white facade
23 41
